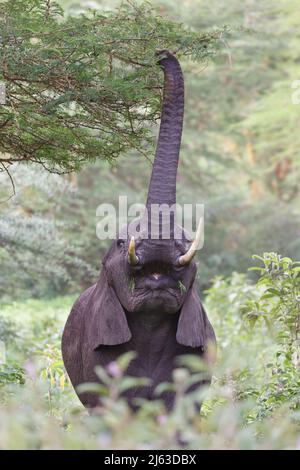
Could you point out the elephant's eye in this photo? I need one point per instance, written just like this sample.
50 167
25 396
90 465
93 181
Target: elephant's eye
120 242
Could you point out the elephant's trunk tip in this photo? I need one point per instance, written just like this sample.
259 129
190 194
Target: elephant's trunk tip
163 54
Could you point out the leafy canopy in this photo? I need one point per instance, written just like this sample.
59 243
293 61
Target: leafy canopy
84 87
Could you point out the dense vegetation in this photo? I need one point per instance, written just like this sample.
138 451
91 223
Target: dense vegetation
254 401
239 157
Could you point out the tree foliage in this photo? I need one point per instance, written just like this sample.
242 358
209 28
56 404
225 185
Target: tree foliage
40 250
87 86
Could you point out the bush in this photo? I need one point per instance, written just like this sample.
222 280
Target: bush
253 402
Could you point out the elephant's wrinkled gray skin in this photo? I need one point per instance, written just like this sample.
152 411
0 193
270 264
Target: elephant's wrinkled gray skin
151 305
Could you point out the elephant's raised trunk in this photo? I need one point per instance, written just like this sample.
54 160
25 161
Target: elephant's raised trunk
162 188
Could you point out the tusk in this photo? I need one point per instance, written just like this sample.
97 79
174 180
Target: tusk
189 255
132 258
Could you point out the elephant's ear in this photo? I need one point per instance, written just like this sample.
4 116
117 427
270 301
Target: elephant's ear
194 328
107 323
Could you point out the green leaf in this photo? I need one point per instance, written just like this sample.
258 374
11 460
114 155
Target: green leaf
273 291
91 387
133 382
164 387
124 360
103 375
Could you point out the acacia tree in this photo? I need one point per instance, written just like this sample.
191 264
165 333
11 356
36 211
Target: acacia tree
84 87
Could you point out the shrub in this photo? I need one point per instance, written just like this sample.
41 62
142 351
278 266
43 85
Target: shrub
253 402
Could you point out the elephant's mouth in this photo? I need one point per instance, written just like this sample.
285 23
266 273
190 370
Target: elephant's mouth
156 269
156 275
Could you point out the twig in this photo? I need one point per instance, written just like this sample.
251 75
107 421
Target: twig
12 183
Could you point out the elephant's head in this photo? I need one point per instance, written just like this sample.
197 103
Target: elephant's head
154 275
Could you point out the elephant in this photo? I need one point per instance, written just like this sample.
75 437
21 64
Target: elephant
156 319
